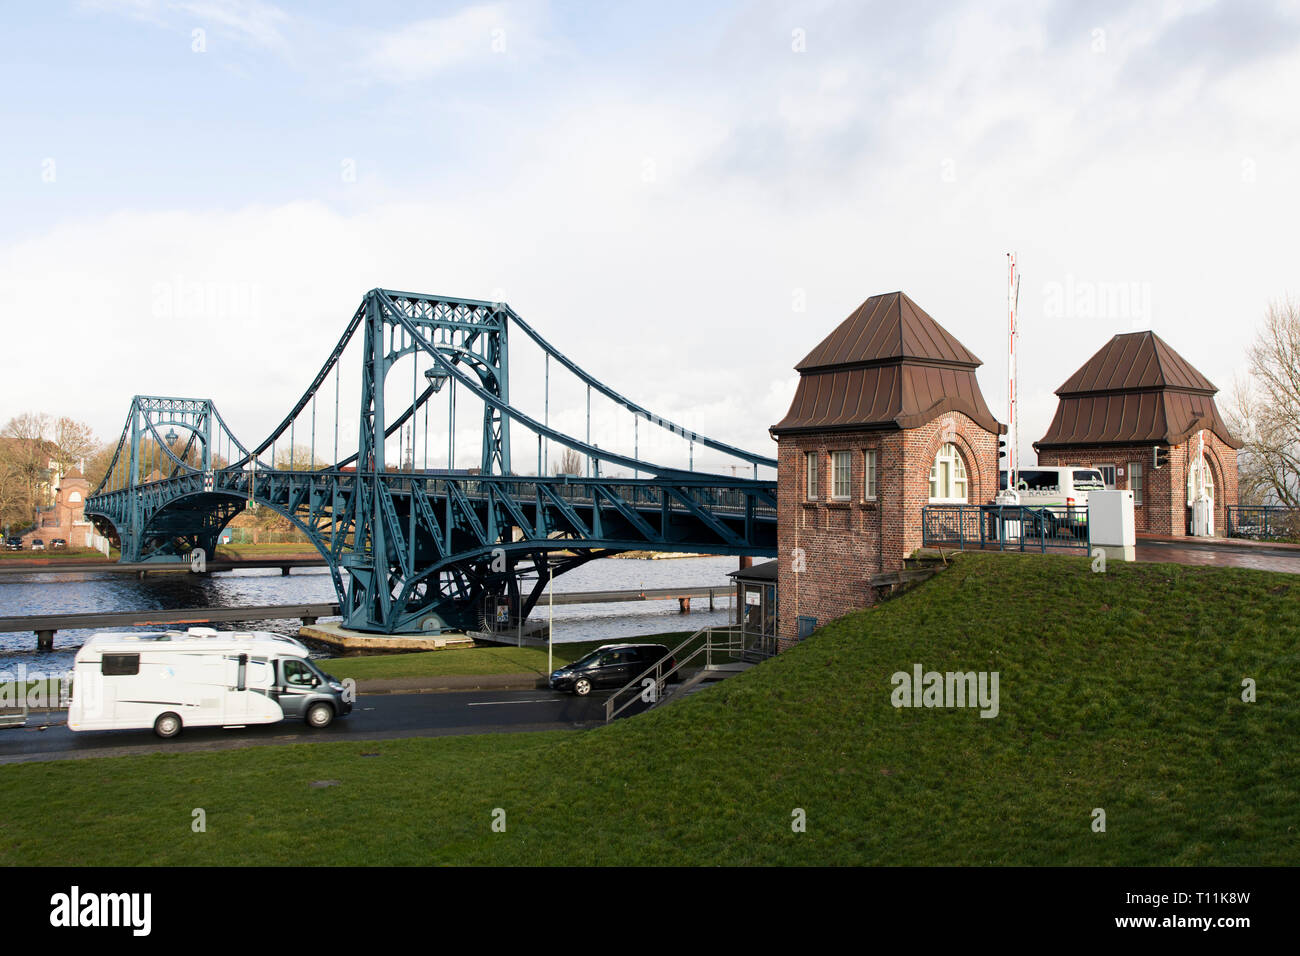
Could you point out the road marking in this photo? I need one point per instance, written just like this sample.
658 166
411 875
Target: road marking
491 703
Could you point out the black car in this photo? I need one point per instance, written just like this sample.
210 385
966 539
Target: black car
13 544
611 665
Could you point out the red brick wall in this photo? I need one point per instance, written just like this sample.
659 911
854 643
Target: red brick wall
845 542
65 517
1164 497
979 451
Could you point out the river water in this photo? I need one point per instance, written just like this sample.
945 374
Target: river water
38 593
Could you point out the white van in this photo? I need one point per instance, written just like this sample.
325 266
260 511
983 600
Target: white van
1065 487
202 677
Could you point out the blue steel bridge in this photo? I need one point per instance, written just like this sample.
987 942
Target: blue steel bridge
417 548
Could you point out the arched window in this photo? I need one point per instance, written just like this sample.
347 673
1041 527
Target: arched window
948 476
1194 478
74 497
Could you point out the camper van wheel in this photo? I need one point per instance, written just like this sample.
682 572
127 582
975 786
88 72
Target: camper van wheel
166 726
320 715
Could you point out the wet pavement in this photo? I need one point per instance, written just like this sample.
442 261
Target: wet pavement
1220 553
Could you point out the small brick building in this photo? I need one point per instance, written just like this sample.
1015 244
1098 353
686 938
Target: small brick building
65 518
1134 394
888 417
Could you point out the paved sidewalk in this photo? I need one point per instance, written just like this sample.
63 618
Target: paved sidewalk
1245 544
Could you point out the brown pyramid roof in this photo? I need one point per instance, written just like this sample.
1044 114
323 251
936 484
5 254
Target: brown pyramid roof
1136 390
888 326
888 365
1136 360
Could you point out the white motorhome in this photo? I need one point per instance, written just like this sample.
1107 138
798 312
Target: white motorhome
1045 485
169 680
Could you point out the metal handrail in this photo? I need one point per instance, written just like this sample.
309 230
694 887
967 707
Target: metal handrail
952 525
661 678
1262 521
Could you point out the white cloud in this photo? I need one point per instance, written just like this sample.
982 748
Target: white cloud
817 175
247 22
419 50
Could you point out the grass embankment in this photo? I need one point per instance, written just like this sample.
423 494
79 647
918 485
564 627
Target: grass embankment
244 552
1119 691
477 660
56 555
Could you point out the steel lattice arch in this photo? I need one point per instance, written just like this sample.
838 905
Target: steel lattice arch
420 549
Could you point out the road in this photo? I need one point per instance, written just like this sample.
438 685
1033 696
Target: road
374 717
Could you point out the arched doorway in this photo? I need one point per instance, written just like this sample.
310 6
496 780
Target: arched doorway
949 483
1200 481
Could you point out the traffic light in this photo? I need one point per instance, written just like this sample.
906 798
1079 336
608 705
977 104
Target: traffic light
1159 456
1004 448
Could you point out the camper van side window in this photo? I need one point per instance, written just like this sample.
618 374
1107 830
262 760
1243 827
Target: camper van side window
120 665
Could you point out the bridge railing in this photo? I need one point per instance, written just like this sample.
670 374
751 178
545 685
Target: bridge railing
1006 527
583 490
1264 522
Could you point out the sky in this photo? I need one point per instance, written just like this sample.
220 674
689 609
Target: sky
684 197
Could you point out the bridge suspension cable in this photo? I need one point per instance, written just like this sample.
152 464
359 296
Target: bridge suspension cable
639 410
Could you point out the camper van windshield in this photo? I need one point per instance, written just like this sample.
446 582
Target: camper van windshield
1089 481
1039 480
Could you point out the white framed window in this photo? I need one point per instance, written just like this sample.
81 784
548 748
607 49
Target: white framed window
869 475
948 482
841 475
810 475
1107 474
1194 478
1135 481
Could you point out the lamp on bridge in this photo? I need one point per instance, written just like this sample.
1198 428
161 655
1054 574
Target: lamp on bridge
436 378
171 436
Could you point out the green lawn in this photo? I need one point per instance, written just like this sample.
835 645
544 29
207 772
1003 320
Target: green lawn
1119 691
287 549
477 660
51 555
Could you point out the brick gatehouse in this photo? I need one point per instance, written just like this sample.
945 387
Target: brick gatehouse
1134 394
888 417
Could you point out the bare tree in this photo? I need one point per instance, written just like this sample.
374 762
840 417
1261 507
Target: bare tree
298 458
25 450
74 442
1265 412
14 509
97 464
570 463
